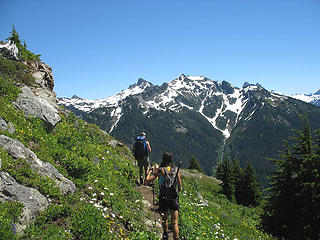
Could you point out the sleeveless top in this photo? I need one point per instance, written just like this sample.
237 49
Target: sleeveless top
162 179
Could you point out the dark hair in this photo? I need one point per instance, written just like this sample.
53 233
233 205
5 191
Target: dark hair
166 159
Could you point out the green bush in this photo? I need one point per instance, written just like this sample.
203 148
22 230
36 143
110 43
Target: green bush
88 223
16 71
53 213
8 89
9 212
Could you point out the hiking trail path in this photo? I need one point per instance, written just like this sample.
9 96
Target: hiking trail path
153 218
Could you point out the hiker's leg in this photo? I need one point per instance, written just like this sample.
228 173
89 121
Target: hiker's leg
140 171
164 216
146 167
174 219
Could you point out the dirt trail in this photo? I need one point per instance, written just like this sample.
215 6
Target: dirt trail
153 217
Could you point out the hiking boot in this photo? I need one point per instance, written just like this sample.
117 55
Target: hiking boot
141 181
165 236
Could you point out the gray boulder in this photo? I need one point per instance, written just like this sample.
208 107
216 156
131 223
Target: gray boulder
33 201
4 126
37 106
18 151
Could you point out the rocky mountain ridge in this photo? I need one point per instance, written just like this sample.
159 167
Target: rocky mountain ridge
195 93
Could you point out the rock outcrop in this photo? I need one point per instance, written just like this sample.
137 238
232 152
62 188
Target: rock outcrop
18 151
37 106
42 74
33 201
4 126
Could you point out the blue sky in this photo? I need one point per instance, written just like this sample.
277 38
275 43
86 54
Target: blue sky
97 48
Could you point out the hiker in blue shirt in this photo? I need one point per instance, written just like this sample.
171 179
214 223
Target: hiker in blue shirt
168 201
141 150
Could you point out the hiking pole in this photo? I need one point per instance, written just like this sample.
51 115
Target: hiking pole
154 204
153 201
179 214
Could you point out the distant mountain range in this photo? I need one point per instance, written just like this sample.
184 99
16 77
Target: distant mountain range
313 98
194 115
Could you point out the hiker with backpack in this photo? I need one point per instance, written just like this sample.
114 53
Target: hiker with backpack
141 150
170 185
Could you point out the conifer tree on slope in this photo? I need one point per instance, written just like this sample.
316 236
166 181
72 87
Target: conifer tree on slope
194 164
239 192
292 210
252 193
225 174
23 51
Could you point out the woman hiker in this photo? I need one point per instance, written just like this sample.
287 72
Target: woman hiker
166 205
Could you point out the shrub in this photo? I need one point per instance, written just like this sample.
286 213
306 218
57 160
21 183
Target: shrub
16 71
8 89
9 212
88 223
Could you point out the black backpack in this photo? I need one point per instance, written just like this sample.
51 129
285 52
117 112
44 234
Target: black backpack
169 189
140 147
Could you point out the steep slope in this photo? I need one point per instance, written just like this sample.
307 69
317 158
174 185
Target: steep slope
195 115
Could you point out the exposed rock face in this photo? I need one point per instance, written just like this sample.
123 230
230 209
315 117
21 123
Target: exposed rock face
4 126
33 200
37 106
42 74
18 151
9 50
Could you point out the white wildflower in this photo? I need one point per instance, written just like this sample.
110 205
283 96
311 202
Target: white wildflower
105 209
96 180
93 199
111 194
102 193
113 215
90 188
94 194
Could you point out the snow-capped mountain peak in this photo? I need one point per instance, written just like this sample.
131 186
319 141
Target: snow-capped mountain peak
220 103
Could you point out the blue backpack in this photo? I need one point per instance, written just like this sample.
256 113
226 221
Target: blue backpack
140 147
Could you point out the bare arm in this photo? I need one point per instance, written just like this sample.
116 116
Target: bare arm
153 174
148 146
180 183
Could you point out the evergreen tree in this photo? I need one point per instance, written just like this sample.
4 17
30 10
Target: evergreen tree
239 192
225 174
251 191
194 164
292 210
24 53
14 36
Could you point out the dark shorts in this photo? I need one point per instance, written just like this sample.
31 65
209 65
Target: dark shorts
143 162
165 205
